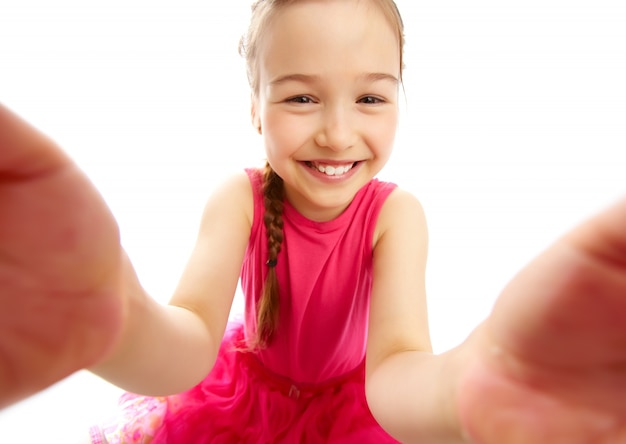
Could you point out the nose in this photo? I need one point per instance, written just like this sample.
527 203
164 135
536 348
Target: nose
337 128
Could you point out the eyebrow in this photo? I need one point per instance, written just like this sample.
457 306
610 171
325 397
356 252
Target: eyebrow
312 78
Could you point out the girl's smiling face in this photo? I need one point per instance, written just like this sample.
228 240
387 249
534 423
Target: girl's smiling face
327 101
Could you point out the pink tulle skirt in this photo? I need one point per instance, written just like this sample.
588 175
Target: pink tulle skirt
240 401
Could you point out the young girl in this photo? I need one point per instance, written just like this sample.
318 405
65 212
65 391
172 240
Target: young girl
302 236
334 346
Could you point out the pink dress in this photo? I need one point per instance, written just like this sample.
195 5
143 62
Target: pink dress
308 385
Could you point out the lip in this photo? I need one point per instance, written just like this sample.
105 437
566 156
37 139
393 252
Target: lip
331 179
332 162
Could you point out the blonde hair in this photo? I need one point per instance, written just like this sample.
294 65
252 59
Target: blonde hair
263 11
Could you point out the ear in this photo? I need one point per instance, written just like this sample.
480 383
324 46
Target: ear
254 113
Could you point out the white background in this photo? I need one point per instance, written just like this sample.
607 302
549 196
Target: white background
513 130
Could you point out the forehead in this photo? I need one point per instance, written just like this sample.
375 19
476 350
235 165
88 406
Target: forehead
323 37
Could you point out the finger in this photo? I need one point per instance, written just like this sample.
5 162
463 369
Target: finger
51 213
25 151
568 307
603 238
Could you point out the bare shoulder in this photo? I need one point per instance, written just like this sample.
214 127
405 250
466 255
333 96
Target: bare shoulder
233 199
401 212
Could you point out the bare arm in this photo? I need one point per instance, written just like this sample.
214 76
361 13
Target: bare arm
69 296
546 366
409 390
167 349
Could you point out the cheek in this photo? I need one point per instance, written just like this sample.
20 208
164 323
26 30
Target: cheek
383 135
283 135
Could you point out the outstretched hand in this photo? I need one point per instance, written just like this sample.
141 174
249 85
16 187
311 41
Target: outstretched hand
551 360
60 265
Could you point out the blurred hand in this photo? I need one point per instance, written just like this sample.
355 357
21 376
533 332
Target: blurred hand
60 264
551 361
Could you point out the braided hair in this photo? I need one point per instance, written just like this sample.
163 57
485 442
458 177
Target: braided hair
268 306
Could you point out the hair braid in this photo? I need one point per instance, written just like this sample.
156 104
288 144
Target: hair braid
268 306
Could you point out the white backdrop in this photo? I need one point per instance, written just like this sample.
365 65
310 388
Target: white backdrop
513 130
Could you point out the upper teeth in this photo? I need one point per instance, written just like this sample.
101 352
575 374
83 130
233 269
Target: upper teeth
330 170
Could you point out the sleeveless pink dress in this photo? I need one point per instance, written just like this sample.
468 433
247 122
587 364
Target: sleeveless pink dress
308 385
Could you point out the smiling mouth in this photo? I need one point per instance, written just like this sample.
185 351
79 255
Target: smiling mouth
331 170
